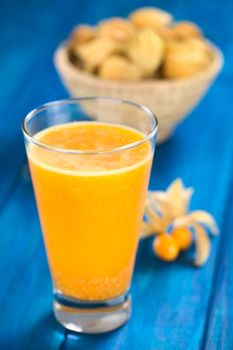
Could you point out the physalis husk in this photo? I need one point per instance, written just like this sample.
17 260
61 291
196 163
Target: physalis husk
168 209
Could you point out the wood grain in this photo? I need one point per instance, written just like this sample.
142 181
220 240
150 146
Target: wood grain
175 306
218 331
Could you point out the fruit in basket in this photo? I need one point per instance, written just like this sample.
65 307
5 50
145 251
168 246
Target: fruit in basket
146 45
82 34
171 88
118 67
185 58
95 51
117 29
146 51
184 30
149 17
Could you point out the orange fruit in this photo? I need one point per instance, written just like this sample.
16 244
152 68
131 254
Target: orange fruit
166 247
183 237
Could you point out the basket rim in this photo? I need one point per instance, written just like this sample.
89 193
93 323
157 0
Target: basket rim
65 67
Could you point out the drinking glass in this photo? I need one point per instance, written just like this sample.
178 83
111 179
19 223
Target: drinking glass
91 204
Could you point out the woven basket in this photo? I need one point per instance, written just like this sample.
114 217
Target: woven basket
170 100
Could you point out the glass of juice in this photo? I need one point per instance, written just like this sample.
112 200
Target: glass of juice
90 161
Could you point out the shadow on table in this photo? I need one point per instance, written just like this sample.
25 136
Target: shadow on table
42 334
146 259
47 334
110 340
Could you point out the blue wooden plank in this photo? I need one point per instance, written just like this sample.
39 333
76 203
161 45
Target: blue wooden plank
170 301
25 86
12 151
25 293
218 331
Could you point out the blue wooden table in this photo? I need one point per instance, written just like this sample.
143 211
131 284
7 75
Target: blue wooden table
175 306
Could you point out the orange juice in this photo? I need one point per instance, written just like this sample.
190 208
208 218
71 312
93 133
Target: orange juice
90 205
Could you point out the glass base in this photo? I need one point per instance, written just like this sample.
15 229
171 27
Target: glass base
92 317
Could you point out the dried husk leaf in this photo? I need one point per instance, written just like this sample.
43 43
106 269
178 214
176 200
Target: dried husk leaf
151 214
187 195
164 207
158 222
147 230
202 245
179 197
202 217
146 51
183 221
160 201
175 188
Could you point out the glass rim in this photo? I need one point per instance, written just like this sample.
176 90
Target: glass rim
68 101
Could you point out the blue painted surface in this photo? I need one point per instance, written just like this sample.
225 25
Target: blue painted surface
175 305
